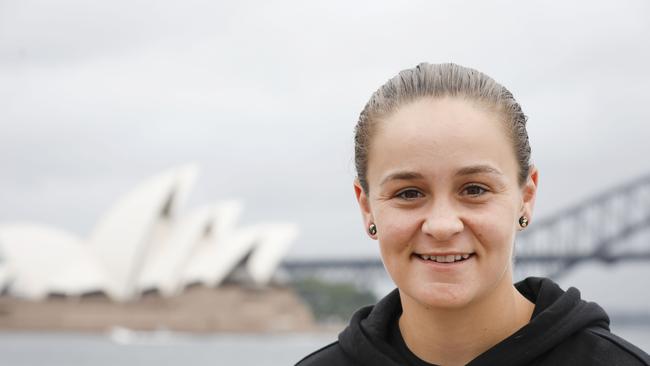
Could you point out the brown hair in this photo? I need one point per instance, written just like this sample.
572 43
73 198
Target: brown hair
438 81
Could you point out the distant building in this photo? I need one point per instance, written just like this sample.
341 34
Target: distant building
143 243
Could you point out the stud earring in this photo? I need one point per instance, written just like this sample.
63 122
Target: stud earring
523 221
372 229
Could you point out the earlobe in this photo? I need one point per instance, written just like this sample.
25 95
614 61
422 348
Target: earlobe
364 206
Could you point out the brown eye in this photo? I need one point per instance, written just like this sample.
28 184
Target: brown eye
409 194
474 190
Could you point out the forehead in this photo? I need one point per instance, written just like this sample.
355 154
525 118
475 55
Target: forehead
437 135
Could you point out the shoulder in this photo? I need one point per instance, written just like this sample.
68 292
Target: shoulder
620 345
332 354
597 346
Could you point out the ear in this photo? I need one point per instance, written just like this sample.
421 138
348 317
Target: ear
364 206
529 193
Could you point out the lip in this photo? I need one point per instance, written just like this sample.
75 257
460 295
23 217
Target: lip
444 265
443 253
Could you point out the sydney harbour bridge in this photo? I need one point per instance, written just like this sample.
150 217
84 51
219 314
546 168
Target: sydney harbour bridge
611 227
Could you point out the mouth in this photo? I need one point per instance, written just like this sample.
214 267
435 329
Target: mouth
445 258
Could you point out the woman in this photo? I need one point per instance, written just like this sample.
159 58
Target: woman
444 183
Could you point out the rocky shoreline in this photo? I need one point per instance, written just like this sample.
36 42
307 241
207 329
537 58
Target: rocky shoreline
229 308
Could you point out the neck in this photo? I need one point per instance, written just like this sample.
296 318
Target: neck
450 337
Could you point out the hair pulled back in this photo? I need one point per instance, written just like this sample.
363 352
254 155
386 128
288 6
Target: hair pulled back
439 81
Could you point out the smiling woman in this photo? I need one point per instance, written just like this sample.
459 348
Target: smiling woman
444 182
435 194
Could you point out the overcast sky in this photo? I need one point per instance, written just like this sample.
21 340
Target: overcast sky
96 96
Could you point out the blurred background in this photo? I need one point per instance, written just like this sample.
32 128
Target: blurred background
96 97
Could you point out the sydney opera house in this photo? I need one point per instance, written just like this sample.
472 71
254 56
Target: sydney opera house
147 242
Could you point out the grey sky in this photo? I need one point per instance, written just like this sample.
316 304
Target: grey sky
96 96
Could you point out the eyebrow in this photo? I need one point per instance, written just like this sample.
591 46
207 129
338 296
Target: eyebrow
405 175
478 169
469 170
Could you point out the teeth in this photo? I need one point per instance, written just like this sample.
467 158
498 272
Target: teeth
451 258
445 258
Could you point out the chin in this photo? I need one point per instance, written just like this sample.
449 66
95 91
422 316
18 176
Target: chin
440 295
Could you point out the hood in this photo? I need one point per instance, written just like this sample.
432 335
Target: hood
557 316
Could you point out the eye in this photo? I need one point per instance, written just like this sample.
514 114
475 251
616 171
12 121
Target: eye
409 194
474 190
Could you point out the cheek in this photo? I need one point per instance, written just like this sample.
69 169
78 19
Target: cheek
395 232
494 228
396 226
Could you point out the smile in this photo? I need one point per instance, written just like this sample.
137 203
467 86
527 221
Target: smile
449 258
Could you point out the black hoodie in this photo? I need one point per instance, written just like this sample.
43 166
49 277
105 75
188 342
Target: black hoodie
564 330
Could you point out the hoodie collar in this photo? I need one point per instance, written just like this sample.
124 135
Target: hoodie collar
366 338
557 315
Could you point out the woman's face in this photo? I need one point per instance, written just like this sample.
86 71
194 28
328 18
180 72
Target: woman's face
444 195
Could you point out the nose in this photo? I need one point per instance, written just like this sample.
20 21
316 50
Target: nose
442 221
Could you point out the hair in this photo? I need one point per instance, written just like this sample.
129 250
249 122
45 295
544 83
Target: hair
439 81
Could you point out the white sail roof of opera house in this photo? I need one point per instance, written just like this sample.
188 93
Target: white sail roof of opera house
146 241
41 260
258 249
213 261
137 224
204 226
274 241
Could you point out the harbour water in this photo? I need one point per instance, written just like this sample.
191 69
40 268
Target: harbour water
158 349
124 348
